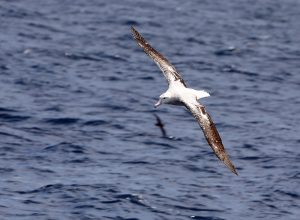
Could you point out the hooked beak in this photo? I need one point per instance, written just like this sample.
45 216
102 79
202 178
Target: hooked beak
158 103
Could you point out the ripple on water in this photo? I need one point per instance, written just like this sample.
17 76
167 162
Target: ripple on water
77 133
62 121
67 148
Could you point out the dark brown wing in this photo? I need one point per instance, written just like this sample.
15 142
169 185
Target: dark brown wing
166 67
211 133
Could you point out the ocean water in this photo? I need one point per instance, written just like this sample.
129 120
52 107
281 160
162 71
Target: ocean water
77 128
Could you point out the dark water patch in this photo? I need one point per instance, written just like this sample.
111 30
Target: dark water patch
154 24
82 57
204 169
250 158
255 122
98 57
286 58
12 118
46 27
135 135
200 66
30 201
130 23
62 121
4 170
85 207
227 51
36 130
193 168
116 107
38 214
112 78
159 144
2 109
51 188
118 126
232 69
111 201
276 79
268 159
35 83
74 188
82 160
40 169
54 108
197 157
95 123
4 67
35 36
15 13
136 162
196 209
268 166
150 78
19 137
234 87
293 195
195 40
122 218
108 153
67 148
205 218
250 146
42 69
228 126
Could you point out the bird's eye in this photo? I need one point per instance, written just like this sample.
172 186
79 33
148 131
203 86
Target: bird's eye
164 97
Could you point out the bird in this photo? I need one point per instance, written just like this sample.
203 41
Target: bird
160 125
179 94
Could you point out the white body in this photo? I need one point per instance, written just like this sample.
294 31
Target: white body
177 94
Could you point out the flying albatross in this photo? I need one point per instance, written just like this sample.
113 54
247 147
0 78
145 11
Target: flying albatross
179 94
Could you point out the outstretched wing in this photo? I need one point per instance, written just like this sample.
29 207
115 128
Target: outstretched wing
166 67
211 133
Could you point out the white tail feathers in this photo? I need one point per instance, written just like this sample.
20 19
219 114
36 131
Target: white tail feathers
202 94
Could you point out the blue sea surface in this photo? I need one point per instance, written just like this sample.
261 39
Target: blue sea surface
77 128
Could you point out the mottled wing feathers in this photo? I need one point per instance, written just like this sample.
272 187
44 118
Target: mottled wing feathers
211 133
166 67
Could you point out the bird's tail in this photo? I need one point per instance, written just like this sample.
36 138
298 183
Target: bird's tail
201 94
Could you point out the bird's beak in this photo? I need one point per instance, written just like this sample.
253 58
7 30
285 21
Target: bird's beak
158 103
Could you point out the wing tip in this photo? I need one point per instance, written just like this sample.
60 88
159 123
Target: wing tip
133 29
230 166
135 33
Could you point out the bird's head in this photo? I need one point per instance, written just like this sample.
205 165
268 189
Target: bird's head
163 98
